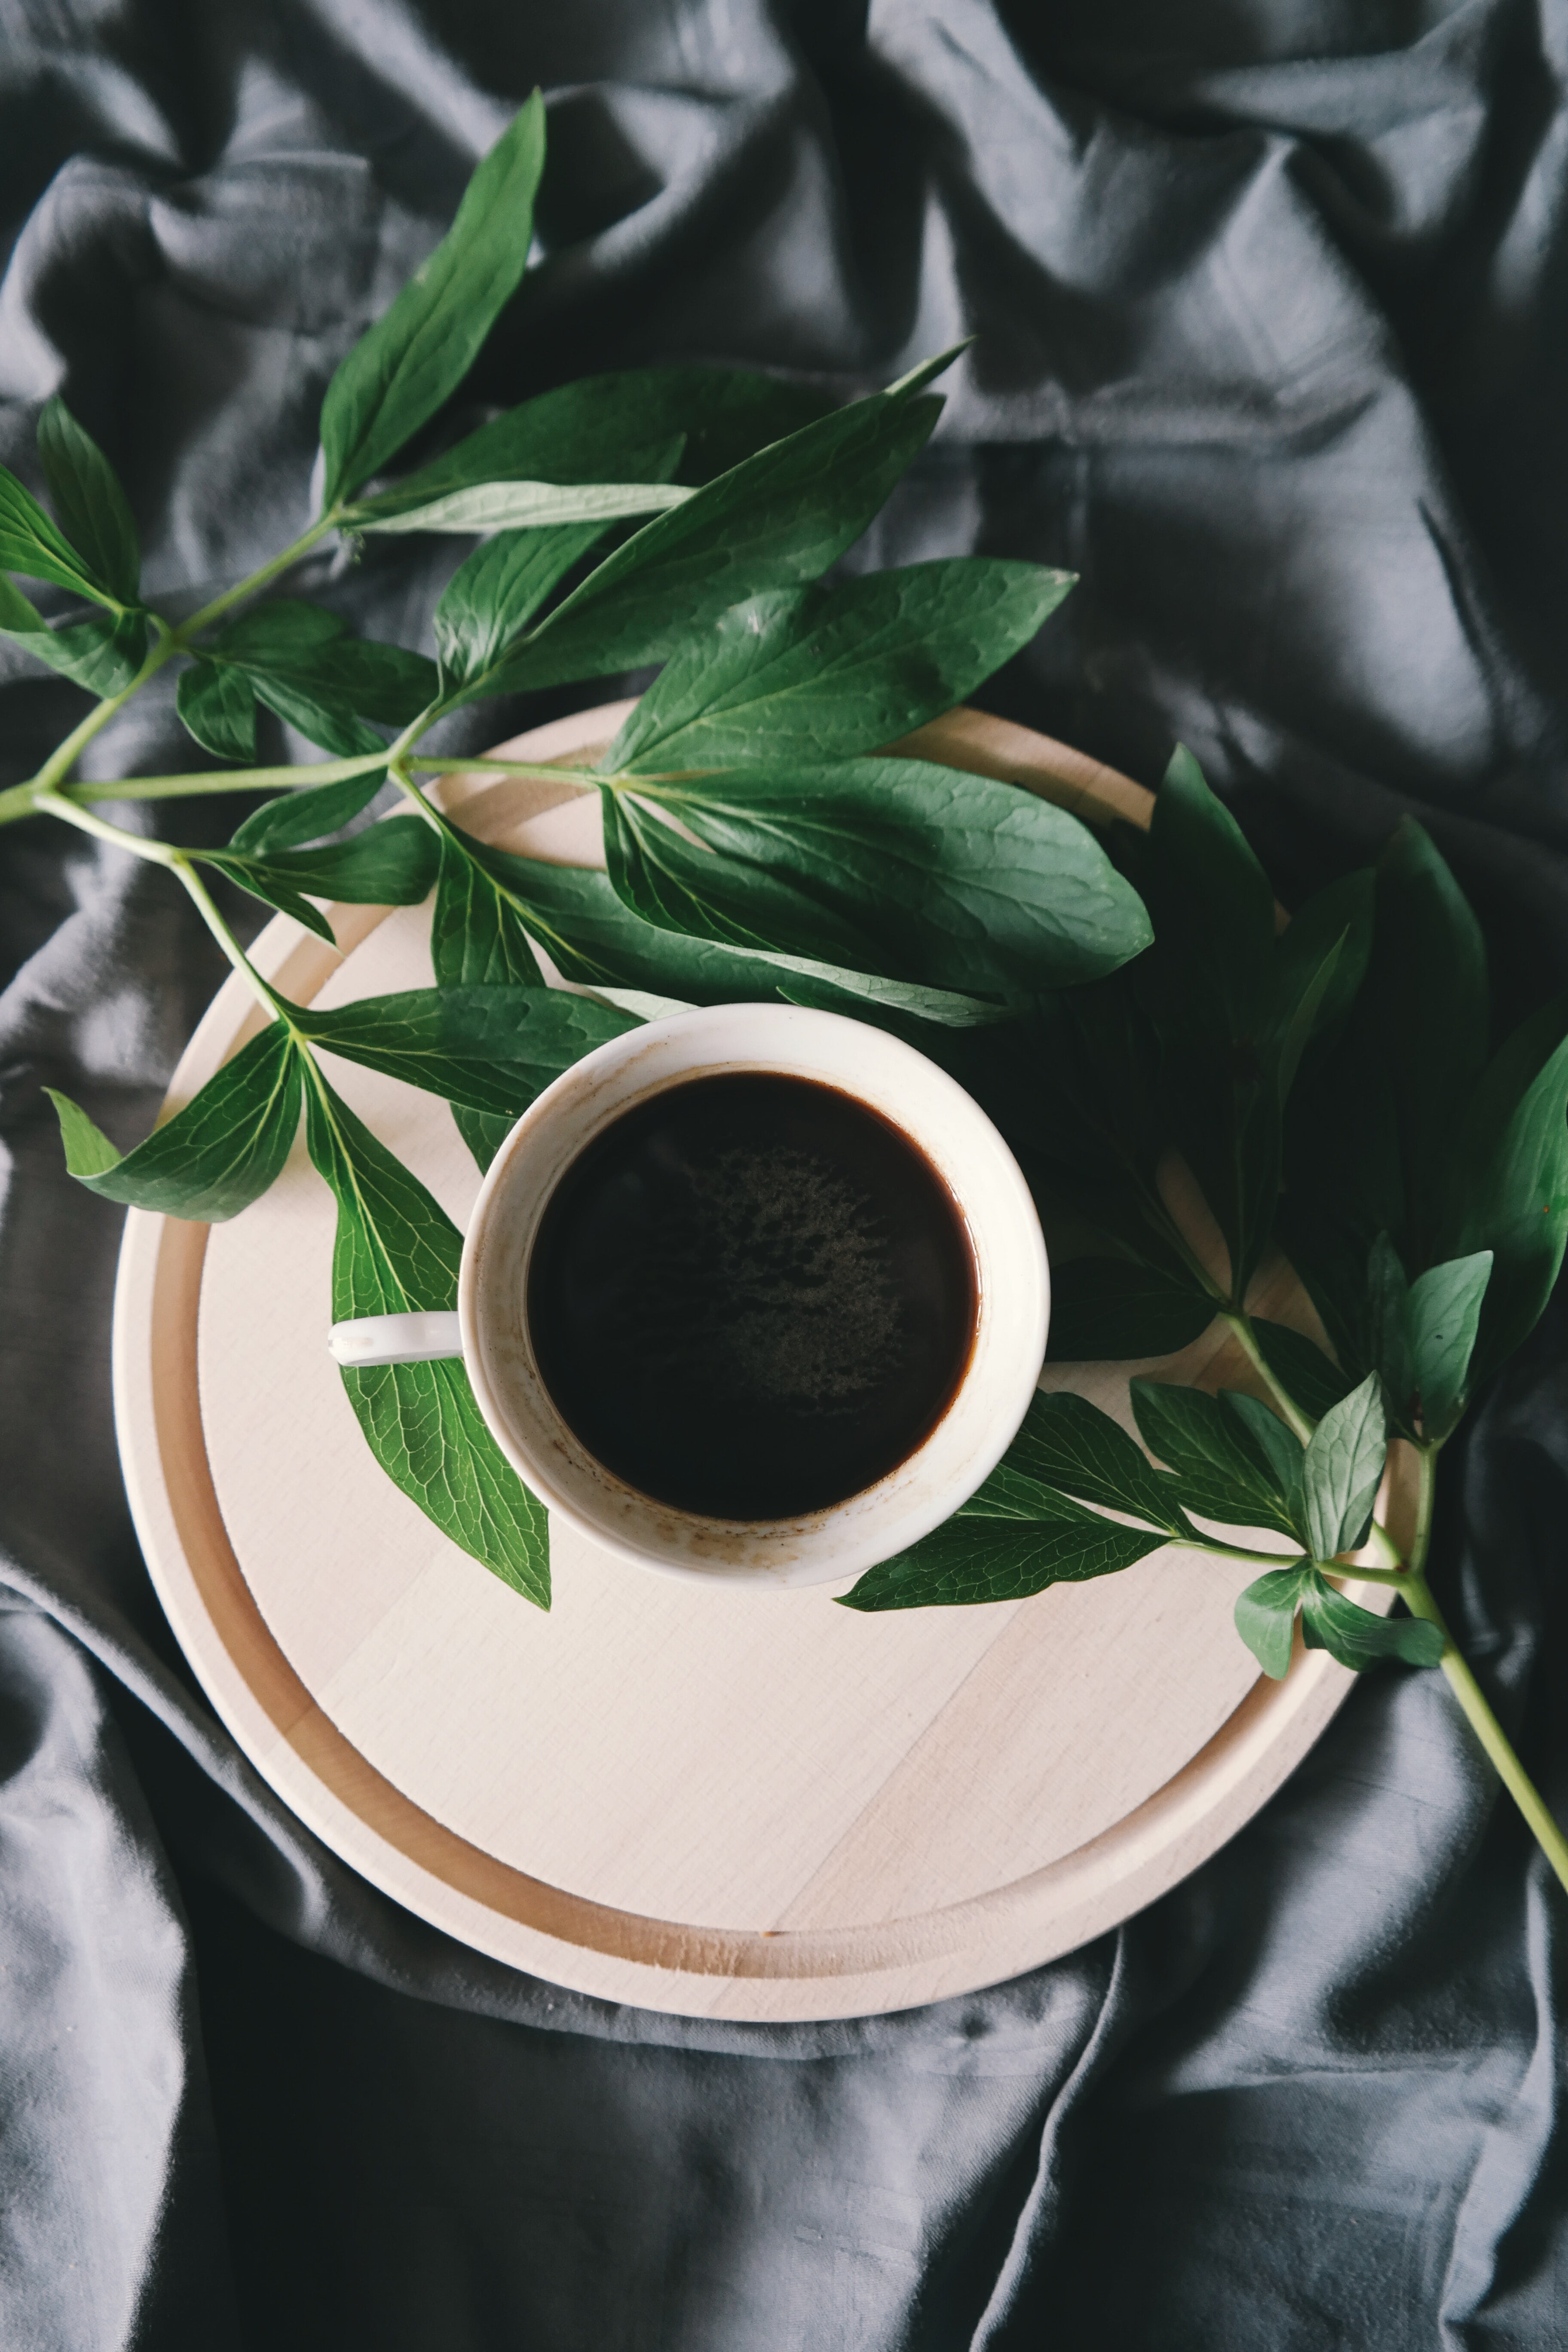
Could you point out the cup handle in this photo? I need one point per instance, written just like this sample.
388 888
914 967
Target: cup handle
395 1339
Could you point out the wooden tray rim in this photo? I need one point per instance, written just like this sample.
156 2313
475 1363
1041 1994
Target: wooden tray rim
366 1822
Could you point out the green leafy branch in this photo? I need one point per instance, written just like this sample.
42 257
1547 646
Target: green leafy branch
1329 1085
682 517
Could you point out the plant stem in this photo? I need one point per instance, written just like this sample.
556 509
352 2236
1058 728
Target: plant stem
178 862
541 771
64 755
20 800
1466 1689
1241 1325
1242 1552
254 581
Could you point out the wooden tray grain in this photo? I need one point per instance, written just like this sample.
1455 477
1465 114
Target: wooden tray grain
707 1802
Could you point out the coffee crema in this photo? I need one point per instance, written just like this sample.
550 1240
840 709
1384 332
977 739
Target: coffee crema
751 1296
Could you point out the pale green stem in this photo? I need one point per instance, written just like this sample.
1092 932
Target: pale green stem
178 862
255 582
64 756
1240 1326
1466 1689
1242 1552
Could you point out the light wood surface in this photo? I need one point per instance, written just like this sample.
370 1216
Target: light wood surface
754 1806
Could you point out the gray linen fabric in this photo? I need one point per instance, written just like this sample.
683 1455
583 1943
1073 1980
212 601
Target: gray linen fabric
1272 349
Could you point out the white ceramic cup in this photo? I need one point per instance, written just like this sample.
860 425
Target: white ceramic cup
489 1329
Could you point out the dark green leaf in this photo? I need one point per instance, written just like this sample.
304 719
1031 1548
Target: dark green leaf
293 818
1357 1637
497 590
1277 1447
1214 910
1111 1311
777 519
303 648
214 1157
1265 1616
1311 1379
490 905
707 895
1069 1443
219 709
1442 1315
900 867
1388 1328
487 1049
1310 985
1343 911
1515 1198
812 674
1223 1475
392 863
101 652
396 1252
90 502
403 369
579 431
1344 1469
1428 1002
332 726
30 543
981 1558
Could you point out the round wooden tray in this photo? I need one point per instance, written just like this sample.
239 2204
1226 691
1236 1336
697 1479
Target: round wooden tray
714 1803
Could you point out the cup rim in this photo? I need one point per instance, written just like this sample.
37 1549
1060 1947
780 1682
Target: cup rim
939 1117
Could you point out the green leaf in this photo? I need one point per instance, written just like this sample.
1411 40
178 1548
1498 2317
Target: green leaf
295 817
214 1157
1069 1443
740 901
974 1559
1212 904
409 362
492 1050
1213 1452
1388 1323
101 653
1343 912
1311 1379
1312 986
496 592
1265 1616
777 519
392 864
1110 1310
301 662
304 647
579 431
30 543
1275 1444
219 709
533 506
1358 1637
811 674
1428 1001
490 905
1442 1315
1514 1200
332 726
90 502
899 867
396 1252
1344 1469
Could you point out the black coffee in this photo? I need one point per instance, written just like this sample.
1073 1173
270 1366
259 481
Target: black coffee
751 1296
